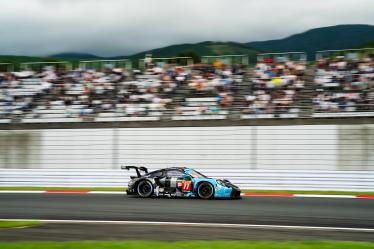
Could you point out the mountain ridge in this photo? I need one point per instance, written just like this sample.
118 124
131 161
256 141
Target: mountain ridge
323 38
343 36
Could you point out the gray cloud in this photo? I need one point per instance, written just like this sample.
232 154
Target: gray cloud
119 27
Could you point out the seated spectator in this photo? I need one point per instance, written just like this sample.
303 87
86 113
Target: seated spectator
211 89
344 85
275 87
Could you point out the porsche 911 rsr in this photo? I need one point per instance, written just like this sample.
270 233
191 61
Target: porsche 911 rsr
179 182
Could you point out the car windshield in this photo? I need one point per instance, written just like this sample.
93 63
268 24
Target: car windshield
196 174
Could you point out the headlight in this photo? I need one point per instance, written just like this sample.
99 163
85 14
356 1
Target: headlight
220 182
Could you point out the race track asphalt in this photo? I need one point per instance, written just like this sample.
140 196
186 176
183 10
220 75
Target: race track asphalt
317 212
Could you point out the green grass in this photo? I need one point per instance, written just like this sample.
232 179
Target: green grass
18 224
244 191
189 245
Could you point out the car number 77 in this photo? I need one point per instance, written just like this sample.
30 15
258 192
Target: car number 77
186 185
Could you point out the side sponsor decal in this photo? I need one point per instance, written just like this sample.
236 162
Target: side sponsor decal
186 185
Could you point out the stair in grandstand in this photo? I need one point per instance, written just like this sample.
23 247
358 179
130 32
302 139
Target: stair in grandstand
242 89
306 95
188 102
177 98
180 94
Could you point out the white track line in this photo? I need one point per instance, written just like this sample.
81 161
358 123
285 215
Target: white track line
108 192
351 229
324 196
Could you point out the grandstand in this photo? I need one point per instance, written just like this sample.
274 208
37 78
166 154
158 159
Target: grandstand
277 83
344 83
280 86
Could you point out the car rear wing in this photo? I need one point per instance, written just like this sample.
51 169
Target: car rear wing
137 169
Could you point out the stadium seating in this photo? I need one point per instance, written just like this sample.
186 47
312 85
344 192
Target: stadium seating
272 89
209 93
344 87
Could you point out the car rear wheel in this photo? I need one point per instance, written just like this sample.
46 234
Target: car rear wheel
205 191
145 189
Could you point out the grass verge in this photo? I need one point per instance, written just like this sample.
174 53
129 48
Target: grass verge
18 224
189 244
315 192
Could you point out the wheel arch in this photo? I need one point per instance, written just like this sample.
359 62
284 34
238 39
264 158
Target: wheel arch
143 180
196 189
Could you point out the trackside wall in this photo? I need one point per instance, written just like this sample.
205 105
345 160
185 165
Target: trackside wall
233 152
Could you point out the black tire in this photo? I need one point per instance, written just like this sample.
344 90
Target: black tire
205 191
145 189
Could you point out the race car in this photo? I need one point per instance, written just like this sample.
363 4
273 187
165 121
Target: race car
179 182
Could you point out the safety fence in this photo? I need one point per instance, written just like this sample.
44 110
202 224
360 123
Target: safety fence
85 115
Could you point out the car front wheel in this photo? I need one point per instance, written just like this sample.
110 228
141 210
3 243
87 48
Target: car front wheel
145 189
205 191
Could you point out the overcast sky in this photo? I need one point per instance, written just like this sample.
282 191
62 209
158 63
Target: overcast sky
122 27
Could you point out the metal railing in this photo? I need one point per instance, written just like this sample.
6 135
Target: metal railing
38 66
101 64
282 57
6 67
227 59
168 60
353 53
271 111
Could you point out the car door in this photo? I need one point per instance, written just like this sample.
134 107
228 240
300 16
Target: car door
172 176
159 177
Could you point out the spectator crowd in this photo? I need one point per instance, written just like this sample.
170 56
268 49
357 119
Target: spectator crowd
113 92
344 85
210 89
275 87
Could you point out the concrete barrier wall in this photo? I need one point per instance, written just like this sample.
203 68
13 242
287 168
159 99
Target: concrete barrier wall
312 147
238 150
20 149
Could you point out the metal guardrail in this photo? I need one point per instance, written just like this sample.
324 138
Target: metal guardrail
246 179
235 113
